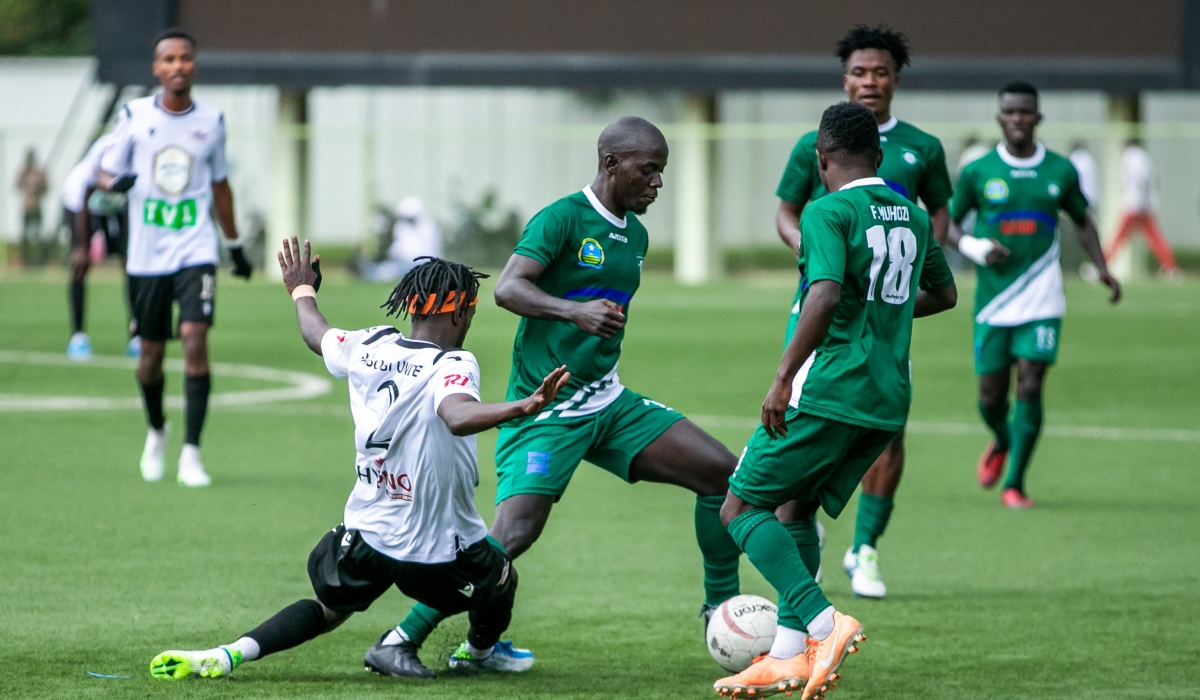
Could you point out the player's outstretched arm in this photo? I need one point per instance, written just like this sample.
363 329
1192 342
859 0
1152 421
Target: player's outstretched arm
463 415
517 291
302 278
1089 238
815 316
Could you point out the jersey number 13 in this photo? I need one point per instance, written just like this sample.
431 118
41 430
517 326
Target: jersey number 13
899 246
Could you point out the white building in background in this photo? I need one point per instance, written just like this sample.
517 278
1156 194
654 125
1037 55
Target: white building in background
447 145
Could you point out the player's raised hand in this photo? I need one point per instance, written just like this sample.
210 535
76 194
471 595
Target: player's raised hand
600 317
998 253
297 265
774 410
551 385
1114 286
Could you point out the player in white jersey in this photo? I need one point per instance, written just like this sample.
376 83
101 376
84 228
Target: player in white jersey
83 220
410 520
172 148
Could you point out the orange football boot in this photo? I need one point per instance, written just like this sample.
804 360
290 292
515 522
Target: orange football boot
991 465
766 676
1012 498
827 655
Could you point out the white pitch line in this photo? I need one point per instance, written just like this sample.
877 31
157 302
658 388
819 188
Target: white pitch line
302 385
1087 432
306 386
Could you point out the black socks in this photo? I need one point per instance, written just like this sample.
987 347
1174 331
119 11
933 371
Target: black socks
292 626
153 395
75 295
196 391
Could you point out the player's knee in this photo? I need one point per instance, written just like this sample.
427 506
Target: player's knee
732 508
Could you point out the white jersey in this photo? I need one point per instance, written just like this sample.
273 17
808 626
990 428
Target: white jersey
176 158
83 176
414 495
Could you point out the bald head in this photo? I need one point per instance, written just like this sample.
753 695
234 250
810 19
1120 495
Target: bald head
630 135
632 154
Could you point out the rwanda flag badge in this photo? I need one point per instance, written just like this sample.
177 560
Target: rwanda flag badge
591 254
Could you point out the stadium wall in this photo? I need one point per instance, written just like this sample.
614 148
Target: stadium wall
450 145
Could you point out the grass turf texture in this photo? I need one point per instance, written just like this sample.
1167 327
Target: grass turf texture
1090 595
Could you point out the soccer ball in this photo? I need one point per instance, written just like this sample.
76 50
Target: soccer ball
740 629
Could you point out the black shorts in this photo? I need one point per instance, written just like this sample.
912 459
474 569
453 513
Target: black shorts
115 228
151 298
348 575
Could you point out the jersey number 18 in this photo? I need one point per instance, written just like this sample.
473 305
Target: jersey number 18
899 246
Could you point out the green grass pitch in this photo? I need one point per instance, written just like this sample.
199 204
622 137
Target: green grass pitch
1093 594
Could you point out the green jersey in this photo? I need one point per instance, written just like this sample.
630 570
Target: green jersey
914 164
589 254
1017 201
879 246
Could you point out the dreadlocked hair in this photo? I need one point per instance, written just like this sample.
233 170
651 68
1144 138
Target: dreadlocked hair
435 279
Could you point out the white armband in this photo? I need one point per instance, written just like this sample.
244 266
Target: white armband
976 249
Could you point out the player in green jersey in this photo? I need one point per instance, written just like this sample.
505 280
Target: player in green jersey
1018 191
571 278
869 264
914 165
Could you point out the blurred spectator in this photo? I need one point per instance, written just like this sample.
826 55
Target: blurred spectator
31 182
1089 173
1139 200
414 234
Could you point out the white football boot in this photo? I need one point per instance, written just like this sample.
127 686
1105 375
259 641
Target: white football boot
865 581
821 544
191 470
154 454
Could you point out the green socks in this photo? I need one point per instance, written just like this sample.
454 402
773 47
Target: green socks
996 418
1026 427
419 622
720 552
873 515
776 556
808 543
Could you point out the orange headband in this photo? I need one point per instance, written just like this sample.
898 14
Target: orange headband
448 306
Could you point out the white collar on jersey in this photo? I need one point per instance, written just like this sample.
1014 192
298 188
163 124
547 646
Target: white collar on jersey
1031 162
889 124
595 201
863 182
158 103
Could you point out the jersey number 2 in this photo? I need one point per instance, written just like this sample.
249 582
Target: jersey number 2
899 246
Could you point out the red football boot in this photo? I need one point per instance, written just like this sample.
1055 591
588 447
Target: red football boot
991 465
1012 498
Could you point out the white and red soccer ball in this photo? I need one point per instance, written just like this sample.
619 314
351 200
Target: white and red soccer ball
741 629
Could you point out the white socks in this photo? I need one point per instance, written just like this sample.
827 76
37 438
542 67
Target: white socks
822 625
479 654
395 637
247 646
788 644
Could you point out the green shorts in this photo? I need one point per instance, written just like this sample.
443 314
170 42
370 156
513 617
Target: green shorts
819 460
541 456
998 347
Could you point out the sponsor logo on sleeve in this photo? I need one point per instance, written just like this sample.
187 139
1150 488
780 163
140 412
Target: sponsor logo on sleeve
591 254
537 463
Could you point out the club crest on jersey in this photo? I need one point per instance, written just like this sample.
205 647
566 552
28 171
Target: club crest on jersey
172 169
591 254
996 191
1053 189
910 157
